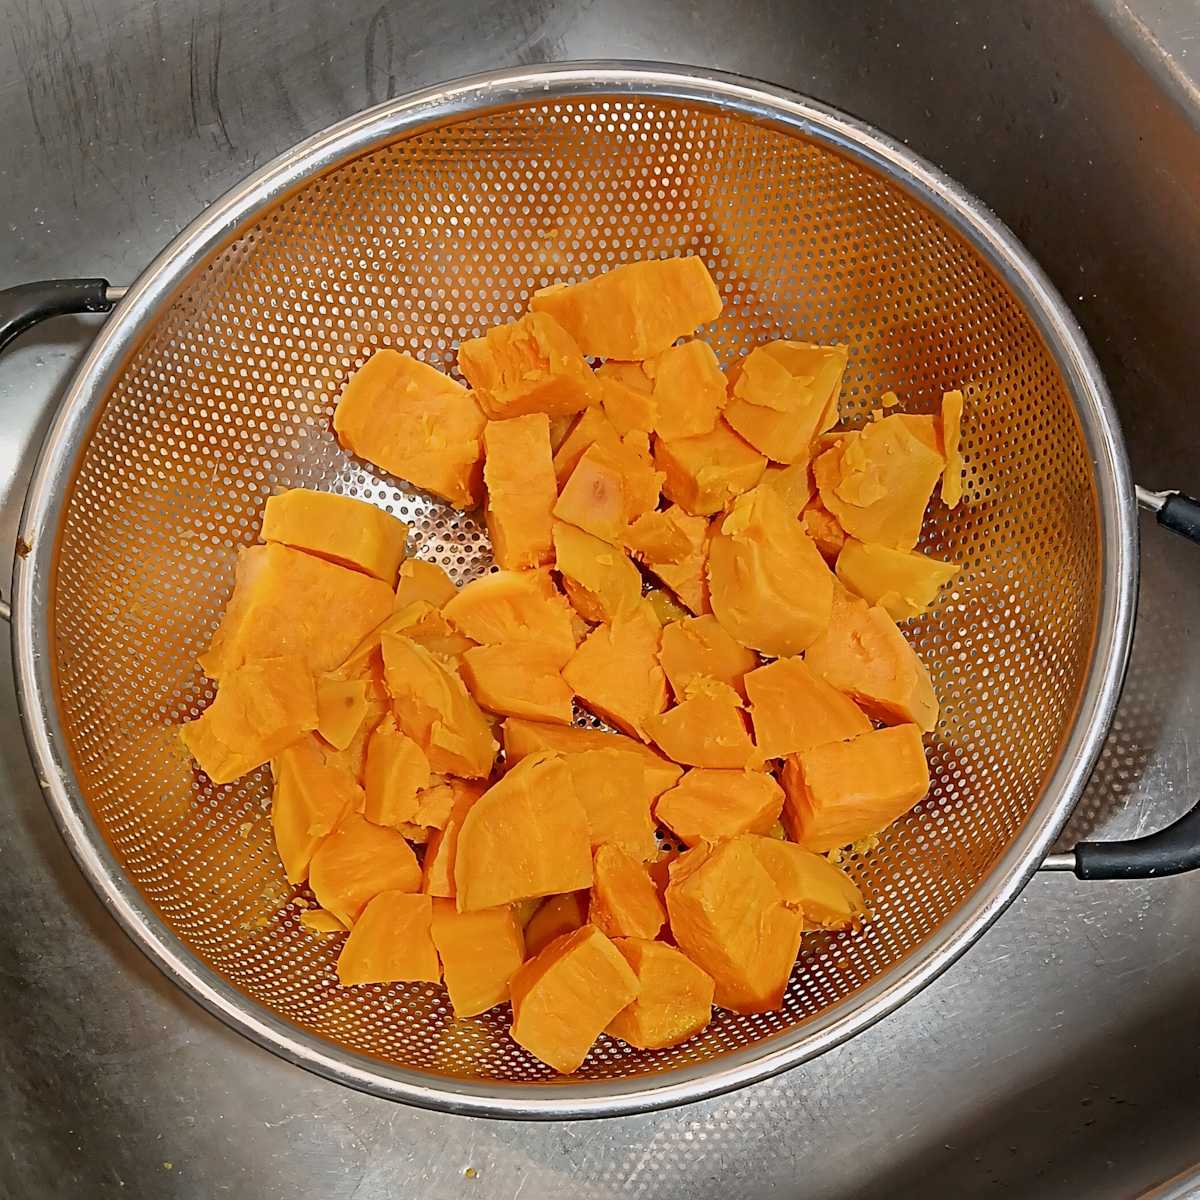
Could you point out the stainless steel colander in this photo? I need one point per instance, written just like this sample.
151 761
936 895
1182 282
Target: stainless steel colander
423 222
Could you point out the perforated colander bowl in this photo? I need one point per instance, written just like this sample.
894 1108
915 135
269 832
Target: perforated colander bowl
423 222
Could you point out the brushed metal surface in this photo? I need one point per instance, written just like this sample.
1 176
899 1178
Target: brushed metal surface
1060 1056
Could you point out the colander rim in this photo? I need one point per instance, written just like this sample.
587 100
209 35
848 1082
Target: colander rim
447 103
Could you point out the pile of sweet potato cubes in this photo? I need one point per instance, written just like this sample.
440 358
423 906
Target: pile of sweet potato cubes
696 556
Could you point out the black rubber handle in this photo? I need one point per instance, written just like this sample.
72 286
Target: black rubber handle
1170 851
23 306
1181 514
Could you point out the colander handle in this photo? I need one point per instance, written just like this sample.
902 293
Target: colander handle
23 306
1175 511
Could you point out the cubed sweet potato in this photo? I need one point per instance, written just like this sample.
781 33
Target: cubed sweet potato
564 997
518 471
599 579
794 484
520 679
625 902
793 708
593 427
700 648
341 709
769 585
674 999
689 390
415 423
480 952
526 836
826 896
609 488
626 394
709 805
673 546
903 582
424 581
706 730
634 311
824 528
617 789
437 868
703 474
357 861
396 771
842 792
528 737
553 917
392 942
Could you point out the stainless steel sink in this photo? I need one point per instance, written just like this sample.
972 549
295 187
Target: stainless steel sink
1061 1056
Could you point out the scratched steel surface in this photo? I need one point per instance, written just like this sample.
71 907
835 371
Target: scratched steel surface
1061 1056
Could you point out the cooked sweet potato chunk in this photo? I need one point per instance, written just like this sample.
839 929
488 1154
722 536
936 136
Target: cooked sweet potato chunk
341 709
824 528
435 709
415 423
526 836
626 394
428 627
689 390
783 394
437 869
349 532
391 942
396 771
616 789
674 999
673 545
356 862
518 471
609 488
634 311
826 896
903 582
601 582
480 952
288 603
700 648
793 483
528 737
877 482
863 654
593 427
728 917
793 708
317 920
769 586
528 366
514 606
564 997
521 679
312 795
708 805
706 730
553 917
615 672
842 792
703 474
423 581
625 902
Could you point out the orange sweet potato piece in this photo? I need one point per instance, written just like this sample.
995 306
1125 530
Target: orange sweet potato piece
625 902
903 582
317 920
392 942
527 835
728 917
824 528
598 577
349 532
341 709
609 488
706 730
699 648
711 806
435 709
593 427
843 792
783 394
518 471
615 672
793 483
480 952
877 482
286 603
313 792
951 431
514 606
555 916
437 869
626 394
702 474
689 389
521 679
825 895
634 311
428 627
674 999
528 366
564 997
616 790
769 586
673 545
528 737
356 862
396 771
415 423
424 581
863 654
259 709
793 708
